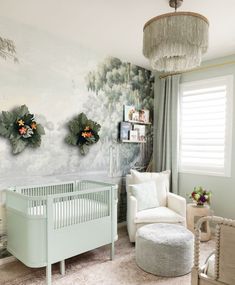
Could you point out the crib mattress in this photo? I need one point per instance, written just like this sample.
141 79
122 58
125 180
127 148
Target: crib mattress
73 211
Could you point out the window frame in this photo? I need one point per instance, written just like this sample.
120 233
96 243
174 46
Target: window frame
207 83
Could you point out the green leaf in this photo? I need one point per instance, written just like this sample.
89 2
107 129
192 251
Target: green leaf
22 111
75 127
71 139
82 119
18 145
4 132
40 130
84 149
34 141
7 117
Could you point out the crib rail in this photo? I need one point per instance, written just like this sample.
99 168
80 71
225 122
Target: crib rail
80 207
72 202
45 190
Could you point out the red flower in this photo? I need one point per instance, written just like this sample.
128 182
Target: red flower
86 134
22 131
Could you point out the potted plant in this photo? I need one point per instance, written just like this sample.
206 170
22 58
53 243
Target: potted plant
200 196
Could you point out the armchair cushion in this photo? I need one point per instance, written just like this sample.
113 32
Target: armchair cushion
161 180
145 194
177 204
209 269
158 215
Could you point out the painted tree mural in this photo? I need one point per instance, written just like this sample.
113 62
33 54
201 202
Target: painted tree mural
113 85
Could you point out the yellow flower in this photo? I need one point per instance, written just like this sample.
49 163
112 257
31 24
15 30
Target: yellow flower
87 128
20 122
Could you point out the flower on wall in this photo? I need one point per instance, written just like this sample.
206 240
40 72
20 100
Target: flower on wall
83 133
20 127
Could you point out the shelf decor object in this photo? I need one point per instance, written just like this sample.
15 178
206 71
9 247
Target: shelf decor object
21 128
83 133
132 129
175 42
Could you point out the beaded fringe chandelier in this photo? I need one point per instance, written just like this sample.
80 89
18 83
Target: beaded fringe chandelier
175 42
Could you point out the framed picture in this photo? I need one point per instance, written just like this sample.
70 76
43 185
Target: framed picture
144 116
133 135
136 116
128 113
141 132
125 128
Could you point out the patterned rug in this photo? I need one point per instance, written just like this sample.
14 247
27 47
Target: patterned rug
95 268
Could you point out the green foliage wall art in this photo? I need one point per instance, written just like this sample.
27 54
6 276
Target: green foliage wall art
83 133
20 127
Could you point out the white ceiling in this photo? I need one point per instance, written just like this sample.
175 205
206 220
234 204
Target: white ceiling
115 26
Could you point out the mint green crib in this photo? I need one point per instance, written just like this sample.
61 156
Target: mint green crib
50 223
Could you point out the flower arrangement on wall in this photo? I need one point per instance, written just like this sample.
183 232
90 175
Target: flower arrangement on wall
20 127
83 133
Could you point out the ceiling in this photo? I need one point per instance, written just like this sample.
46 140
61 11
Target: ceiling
115 26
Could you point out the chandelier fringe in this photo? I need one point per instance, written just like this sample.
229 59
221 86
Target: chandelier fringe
175 43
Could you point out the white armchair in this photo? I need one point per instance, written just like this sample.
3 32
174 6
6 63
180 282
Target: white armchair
172 207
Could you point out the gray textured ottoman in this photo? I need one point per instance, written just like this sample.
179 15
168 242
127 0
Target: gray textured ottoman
164 249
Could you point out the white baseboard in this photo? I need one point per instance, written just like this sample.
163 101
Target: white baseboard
7 260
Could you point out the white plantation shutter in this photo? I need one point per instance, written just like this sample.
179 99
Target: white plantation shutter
206 126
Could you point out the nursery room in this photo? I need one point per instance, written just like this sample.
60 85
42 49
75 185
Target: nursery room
117 131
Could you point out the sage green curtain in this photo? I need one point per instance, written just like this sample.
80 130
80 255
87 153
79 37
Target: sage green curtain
166 126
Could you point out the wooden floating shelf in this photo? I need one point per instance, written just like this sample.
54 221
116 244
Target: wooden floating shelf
137 122
129 141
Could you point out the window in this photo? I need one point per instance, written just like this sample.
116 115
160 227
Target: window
206 126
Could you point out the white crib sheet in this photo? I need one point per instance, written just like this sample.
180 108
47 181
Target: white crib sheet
73 211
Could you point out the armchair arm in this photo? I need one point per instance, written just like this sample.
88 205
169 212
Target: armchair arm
177 204
131 214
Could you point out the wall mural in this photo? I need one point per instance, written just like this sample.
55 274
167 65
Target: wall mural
57 81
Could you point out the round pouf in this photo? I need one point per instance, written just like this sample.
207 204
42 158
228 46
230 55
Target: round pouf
164 249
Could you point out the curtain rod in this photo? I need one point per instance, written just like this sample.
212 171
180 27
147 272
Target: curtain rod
198 69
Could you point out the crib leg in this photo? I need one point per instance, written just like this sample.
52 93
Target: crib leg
62 267
48 274
112 250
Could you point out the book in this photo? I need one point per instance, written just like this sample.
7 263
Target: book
133 135
141 132
125 128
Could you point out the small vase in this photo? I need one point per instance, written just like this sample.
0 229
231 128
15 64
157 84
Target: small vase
200 205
